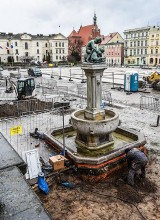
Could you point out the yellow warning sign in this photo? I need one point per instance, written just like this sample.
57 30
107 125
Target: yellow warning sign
16 130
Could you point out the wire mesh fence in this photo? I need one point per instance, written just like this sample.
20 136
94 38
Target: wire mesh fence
150 103
43 121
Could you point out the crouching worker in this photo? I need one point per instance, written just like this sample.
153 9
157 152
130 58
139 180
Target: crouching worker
136 160
38 134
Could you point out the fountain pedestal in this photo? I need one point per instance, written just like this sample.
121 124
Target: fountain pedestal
94 75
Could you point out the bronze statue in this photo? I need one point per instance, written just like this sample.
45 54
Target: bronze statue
93 53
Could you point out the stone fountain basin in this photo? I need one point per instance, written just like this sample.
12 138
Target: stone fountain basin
87 127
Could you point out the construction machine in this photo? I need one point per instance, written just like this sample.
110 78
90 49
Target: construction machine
24 87
155 76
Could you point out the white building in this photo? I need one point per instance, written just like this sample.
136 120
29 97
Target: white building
37 47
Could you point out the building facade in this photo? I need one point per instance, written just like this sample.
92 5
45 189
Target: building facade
136 46
114 49
154 46
25 47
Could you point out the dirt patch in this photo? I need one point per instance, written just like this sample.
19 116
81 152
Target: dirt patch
18 108
110 199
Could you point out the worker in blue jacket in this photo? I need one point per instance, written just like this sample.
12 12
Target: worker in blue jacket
136 160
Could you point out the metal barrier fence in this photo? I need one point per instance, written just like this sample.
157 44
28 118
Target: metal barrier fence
150 103
43 121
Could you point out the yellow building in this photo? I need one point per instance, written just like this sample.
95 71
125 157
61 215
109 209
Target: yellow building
154 46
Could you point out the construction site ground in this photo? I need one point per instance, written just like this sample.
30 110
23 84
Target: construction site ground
112 198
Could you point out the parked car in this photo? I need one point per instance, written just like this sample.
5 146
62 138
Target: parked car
34 71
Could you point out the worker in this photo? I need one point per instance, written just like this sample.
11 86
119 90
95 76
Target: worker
38 134
136 160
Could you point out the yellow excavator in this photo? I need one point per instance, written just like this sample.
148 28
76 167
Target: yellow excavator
155 76
154 80
24 87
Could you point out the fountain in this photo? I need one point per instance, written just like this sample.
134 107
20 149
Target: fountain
94 141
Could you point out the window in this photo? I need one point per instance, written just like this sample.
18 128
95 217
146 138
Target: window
26 54
134 43
62 44
17 58
138 44
16 51
56 51
37 44
16 44
153 35
59 51
134 52
46 45
56 44
131 44
151 60
156 42
59 44
46 51
156 51
145 51
141 43
130 52
63 51
145 42
56 57
141 51
7 44
26 46
7 51
138 51
157 35
37 51
151 51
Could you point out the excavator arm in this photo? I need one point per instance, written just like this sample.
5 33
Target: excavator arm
10 86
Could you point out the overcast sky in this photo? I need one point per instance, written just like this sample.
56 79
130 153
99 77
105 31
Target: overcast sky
45 16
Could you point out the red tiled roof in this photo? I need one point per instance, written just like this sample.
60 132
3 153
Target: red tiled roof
86 33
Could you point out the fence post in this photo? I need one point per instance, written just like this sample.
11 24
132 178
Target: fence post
70 76
158 120
60 77
113 80
83 81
